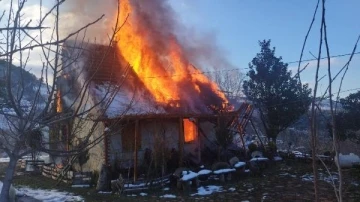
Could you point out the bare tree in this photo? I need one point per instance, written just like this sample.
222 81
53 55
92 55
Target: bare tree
230 82
30 108
316 99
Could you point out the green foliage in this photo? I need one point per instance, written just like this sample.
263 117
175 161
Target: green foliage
348 120
252 147
281 98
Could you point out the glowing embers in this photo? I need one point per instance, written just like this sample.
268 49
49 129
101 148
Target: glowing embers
190 130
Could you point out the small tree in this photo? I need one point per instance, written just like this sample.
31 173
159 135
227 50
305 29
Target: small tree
280 98
348 120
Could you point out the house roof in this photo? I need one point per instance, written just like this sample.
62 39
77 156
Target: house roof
115 83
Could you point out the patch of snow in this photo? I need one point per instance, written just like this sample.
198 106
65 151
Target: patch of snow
104 192
247 171
226 170
287 174
251 189
4 160
355 184
188 175
278 158
131 195
143 194
125 101
107 129
135 185
80 186
166 189
208 190
168 196
232 189
49 195
204 172
259 159
239 164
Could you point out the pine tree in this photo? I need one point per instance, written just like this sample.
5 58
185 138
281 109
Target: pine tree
280 98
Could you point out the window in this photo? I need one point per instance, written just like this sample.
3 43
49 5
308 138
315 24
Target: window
190 130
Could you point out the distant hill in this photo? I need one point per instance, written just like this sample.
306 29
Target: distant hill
19 78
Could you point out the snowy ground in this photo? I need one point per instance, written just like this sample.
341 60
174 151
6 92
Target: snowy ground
44 195
44 157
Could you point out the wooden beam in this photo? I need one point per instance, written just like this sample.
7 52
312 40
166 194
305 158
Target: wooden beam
198 138
136 149
181 141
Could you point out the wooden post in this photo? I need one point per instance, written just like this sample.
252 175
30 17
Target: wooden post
136 148
198 138
181 141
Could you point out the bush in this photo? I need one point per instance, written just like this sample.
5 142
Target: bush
252 147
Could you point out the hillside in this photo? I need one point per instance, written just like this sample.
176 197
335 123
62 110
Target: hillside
20 79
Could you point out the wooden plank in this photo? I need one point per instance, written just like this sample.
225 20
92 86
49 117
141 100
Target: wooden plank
135 149
181 141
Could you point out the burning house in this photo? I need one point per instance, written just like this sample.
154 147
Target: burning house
154 109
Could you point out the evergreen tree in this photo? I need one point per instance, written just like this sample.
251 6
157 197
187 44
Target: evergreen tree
280 98
348 120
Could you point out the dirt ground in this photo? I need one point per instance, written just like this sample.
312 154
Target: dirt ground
286 181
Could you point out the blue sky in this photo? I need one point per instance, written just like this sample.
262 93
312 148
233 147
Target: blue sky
240 24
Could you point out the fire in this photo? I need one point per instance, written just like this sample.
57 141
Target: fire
158 58
189 130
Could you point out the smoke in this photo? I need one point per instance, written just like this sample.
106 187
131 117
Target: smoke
75 14
161 22
158 24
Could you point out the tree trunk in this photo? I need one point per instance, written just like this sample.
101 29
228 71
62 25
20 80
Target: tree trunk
4 196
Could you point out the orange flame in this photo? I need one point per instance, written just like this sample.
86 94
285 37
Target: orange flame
189 130
162 71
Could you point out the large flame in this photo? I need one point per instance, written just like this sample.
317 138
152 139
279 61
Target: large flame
158 59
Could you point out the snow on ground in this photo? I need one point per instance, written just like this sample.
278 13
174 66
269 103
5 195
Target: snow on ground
232 189
225 170
324 177
168 196
208 190
259 159
188 175
4 160
239 164
204 172
143 194
47 195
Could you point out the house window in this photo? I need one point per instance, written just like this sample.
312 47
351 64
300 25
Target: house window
190 130
128 138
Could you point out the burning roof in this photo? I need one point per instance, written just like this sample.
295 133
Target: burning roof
148 67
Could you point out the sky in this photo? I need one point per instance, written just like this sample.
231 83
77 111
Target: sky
238 25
